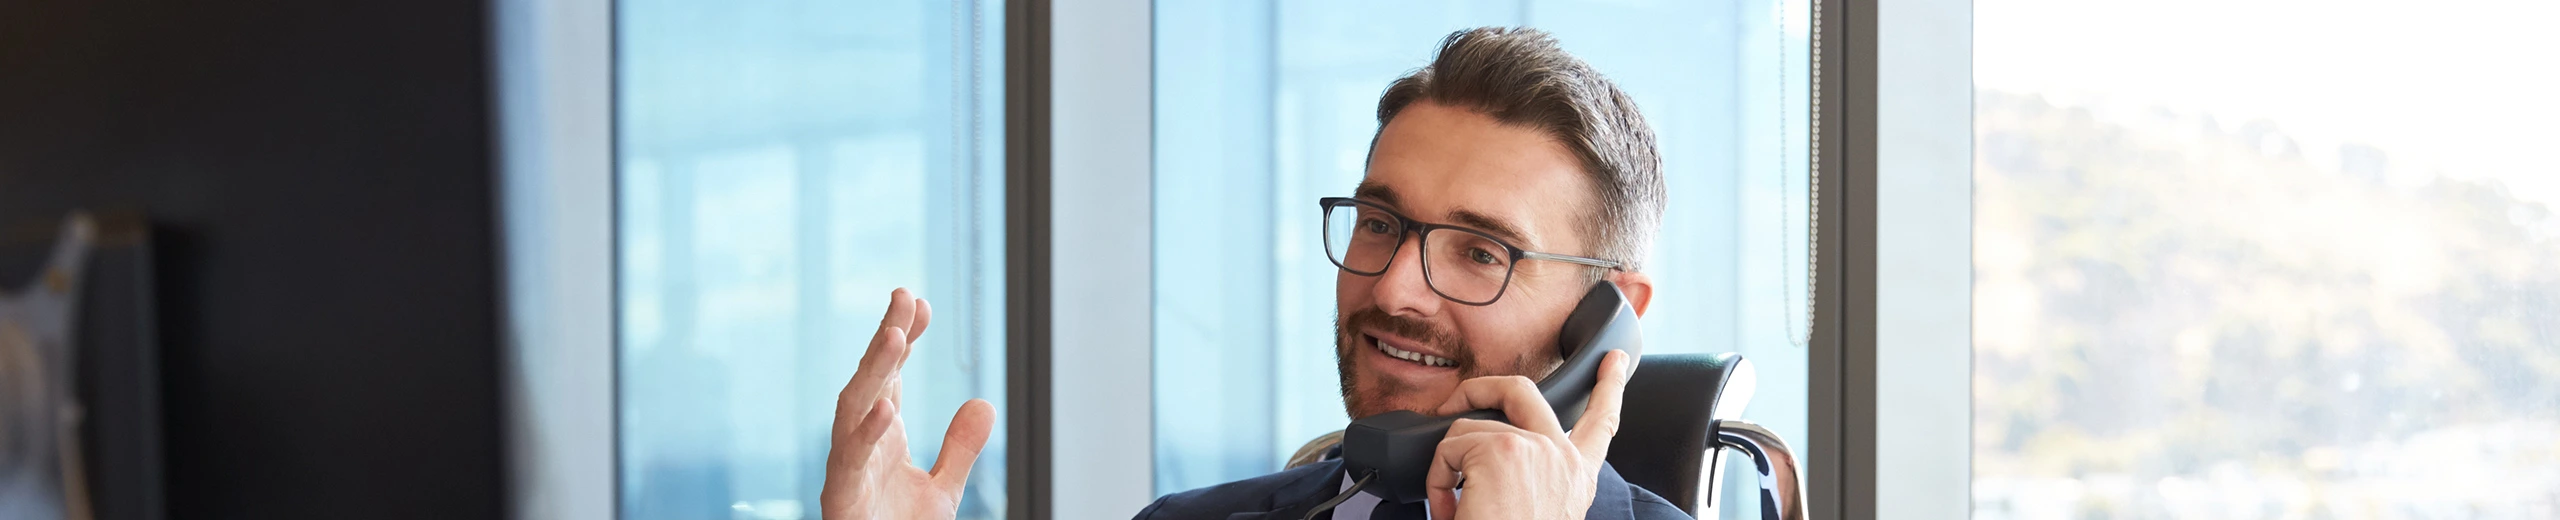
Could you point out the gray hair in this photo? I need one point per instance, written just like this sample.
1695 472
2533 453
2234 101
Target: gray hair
1519 76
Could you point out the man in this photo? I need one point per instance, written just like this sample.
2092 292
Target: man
1504 180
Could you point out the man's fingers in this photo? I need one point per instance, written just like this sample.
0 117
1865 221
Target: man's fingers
906 311
1515 396
893 445
915 330
880 362
879 365
1467 426
962 443
1449 463
1440 482
1599 422
924 316
855 451
902 309
1444 503
1468 441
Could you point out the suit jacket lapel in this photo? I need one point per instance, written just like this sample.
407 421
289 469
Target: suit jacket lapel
1611 501
1293 500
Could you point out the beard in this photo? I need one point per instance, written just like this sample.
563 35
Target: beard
1363 402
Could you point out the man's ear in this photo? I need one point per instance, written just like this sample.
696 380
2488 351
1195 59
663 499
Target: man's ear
1637 286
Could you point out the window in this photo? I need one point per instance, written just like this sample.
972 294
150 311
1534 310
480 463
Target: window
1262 107
783 166
2266 259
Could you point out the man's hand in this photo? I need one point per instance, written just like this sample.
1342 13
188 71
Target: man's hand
1531 469
868 472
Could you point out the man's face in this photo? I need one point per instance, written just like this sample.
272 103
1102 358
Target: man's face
1445 165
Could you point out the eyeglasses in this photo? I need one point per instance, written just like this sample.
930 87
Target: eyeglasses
1464 265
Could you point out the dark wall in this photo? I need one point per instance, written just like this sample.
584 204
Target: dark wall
317 173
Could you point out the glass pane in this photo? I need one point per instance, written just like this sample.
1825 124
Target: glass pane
783 166
1361 238
1466 266
2266 259
1262 107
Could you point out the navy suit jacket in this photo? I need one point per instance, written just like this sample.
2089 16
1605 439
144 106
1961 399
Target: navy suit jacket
1288 495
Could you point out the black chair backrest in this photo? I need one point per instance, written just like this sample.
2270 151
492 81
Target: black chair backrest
1665 430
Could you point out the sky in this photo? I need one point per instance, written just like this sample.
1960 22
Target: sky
2463 88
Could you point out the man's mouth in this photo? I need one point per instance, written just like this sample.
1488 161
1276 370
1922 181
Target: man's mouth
1410 356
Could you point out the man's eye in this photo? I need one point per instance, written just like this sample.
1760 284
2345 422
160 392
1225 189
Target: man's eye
1483 257
1375 226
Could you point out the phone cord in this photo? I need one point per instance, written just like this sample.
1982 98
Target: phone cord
1346 495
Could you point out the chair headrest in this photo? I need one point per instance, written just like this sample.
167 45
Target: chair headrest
1664 440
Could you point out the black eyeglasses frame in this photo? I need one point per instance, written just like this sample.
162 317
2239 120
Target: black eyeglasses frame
1421 231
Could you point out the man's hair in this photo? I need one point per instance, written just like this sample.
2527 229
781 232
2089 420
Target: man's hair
1519 76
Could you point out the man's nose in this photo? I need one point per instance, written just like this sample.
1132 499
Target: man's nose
1404 290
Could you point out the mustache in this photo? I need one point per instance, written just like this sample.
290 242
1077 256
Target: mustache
1448 341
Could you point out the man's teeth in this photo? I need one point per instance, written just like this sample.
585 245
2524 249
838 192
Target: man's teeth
1416 357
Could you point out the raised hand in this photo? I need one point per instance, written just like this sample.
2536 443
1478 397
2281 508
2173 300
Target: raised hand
869 474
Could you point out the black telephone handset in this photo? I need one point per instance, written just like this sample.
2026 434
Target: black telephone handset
1395 448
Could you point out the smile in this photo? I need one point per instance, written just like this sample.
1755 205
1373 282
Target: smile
1407 355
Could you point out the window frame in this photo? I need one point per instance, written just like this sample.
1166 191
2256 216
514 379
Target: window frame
1026 163
1087 132
1893 180
555 95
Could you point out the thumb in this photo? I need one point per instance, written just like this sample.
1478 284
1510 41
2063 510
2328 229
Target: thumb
961 445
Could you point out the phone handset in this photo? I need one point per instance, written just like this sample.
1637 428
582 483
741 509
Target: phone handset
1393 450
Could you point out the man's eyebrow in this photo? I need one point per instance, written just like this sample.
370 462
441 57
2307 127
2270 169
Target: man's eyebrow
1496 226
1490 224
1377 192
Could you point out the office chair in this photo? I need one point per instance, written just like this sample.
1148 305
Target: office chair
1682 412
1680 415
